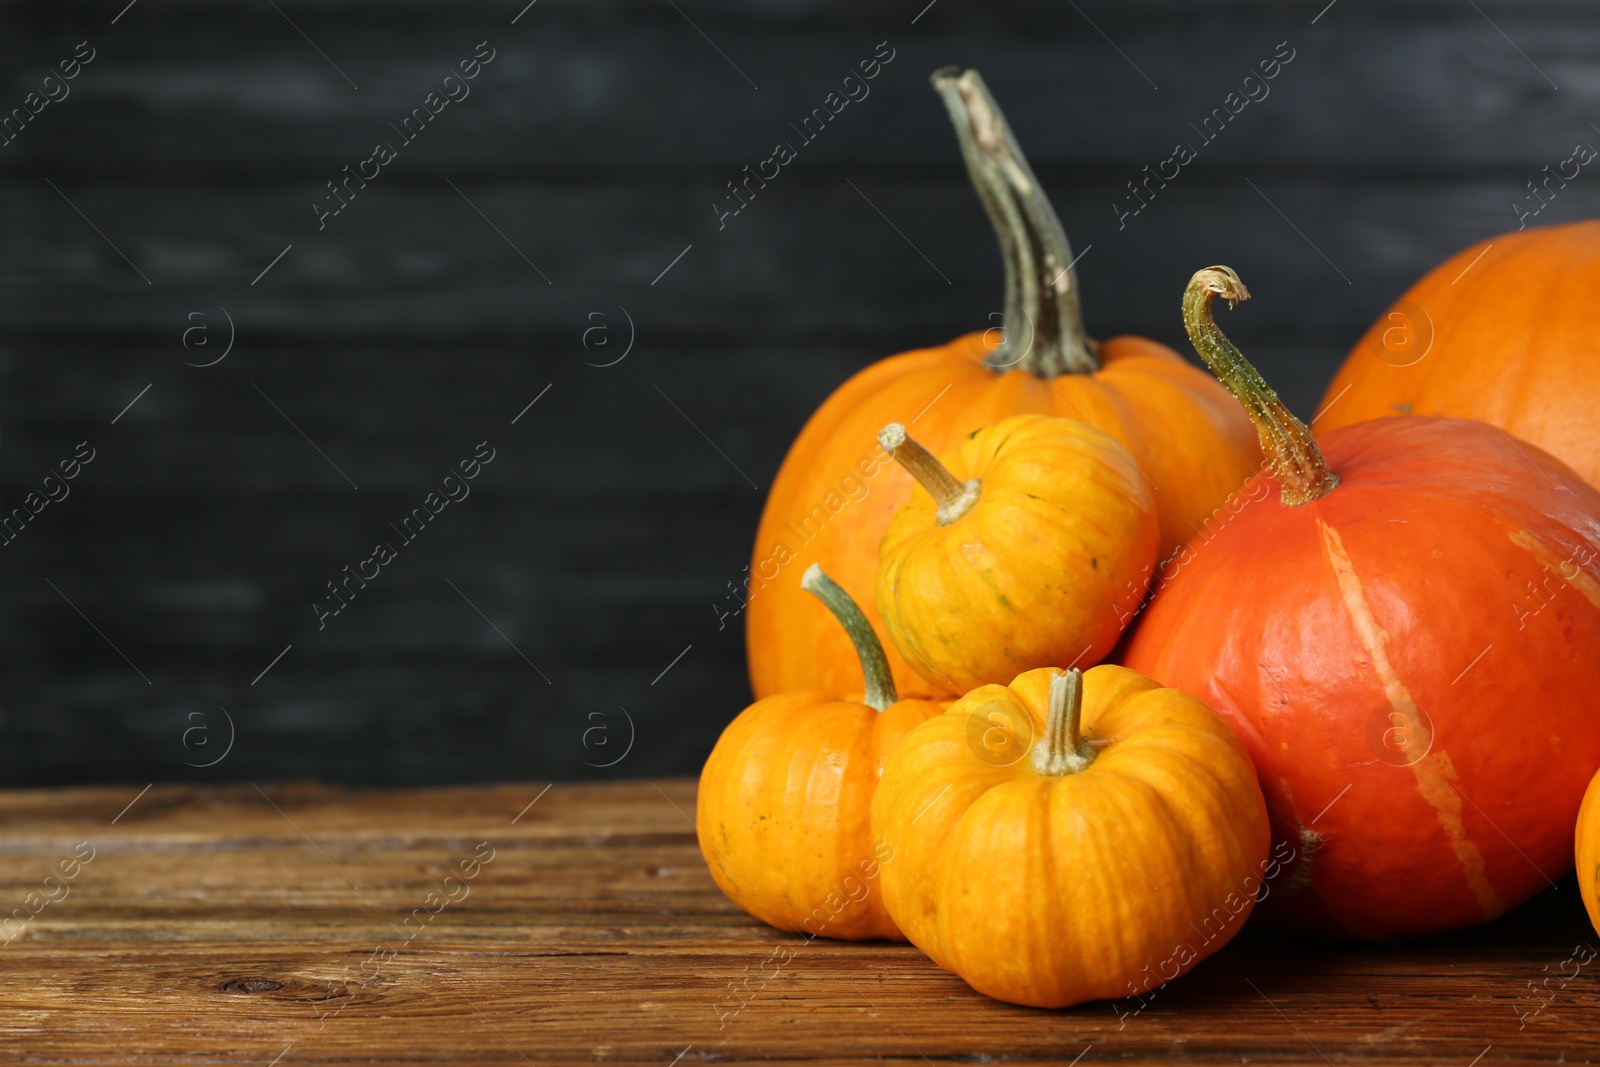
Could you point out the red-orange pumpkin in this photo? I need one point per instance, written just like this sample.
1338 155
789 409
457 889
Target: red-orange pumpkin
1406 643
838 488
1507 331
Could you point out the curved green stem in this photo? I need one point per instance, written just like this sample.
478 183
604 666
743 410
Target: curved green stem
874 664
1290 449
1043 322
1063 750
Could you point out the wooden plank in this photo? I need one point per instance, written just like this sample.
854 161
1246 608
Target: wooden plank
212 928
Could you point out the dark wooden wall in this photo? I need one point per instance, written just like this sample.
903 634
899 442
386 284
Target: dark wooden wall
412 327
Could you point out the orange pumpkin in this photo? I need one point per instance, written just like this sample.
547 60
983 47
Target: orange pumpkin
1404 636
1587 850
785 804
837 489
1507 331
1072 836
1032 545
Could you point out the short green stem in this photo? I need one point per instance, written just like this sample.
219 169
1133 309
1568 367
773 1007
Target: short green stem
952 497
880 691
1302 472
1043 322
1063 750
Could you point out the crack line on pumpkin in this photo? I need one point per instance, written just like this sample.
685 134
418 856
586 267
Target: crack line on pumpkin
1435 773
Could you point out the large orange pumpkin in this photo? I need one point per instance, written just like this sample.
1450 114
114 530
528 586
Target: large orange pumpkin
1406 642
784 811
837 489
1507 331
1072 836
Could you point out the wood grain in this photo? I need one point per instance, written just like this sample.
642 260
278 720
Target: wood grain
232 924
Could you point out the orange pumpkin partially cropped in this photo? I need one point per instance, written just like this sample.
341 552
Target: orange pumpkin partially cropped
1405 641
785 804
1587 850
1069 838
837 489
1507 331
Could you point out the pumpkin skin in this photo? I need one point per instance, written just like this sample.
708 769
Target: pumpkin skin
784 810
1587 850
837 489
1450 570
1053 890
1044 567
1515 342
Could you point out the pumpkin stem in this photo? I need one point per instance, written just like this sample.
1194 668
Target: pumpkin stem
1064 750
874 664
953 498
1043 323
1296 460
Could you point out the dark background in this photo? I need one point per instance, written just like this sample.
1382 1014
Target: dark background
596 141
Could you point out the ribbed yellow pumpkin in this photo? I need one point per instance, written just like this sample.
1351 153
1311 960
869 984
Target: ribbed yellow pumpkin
1030 545
1071 837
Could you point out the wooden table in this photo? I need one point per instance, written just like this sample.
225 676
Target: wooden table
304 924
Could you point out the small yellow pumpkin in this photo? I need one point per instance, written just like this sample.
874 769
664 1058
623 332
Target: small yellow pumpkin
1072 836
1031 545
784 811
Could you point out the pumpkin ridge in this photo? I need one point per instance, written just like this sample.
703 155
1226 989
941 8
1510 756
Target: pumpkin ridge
1513 401
1178 766
1056 846
1436 782
1479 293
1434 772
1541 553
1117 799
